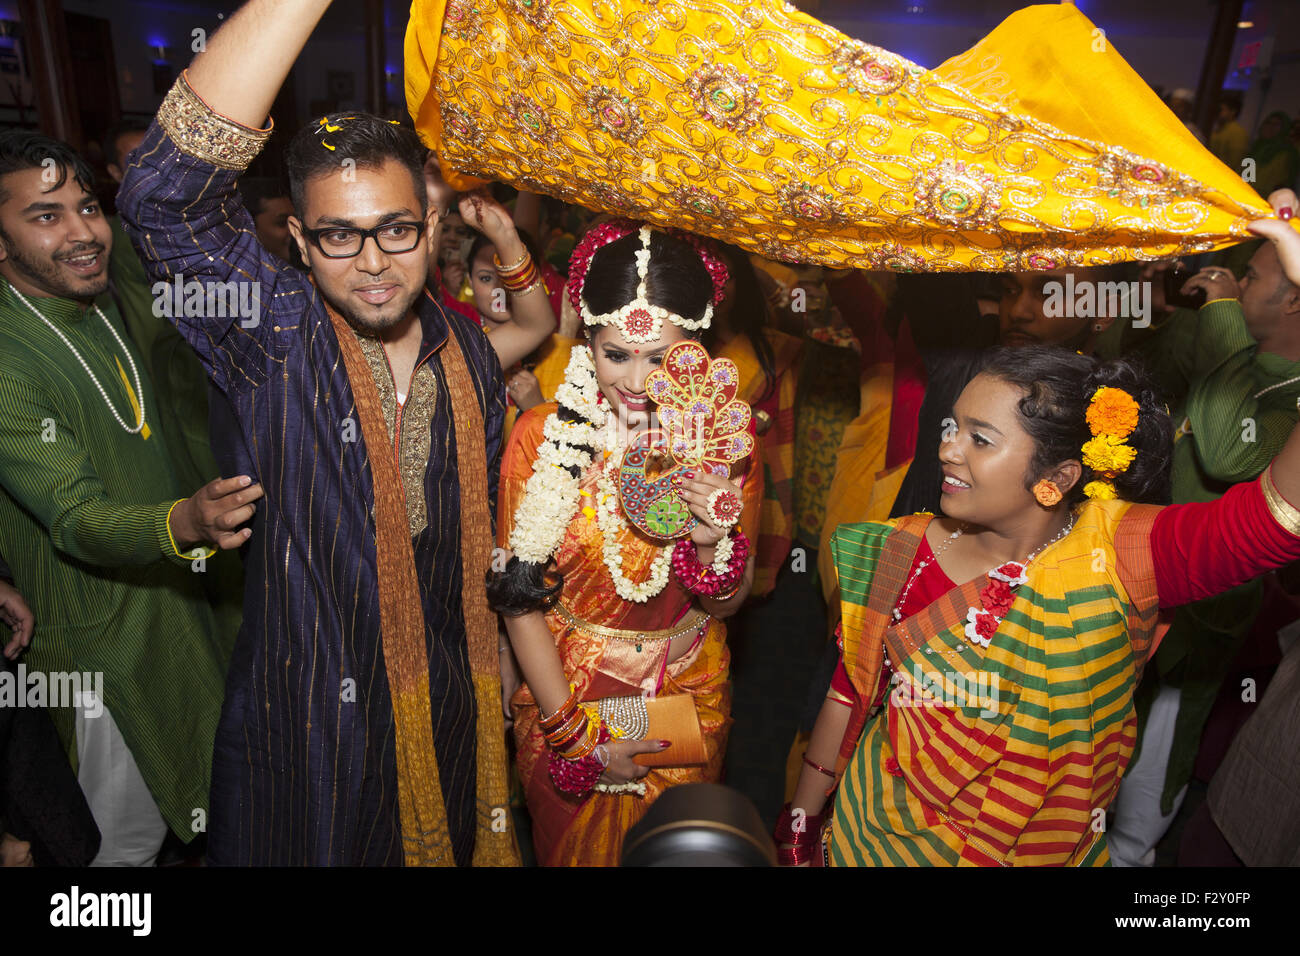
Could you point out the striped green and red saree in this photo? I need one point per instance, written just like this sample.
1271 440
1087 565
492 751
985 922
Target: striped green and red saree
1008 755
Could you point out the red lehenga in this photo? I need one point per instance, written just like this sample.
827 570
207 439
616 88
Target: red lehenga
611 647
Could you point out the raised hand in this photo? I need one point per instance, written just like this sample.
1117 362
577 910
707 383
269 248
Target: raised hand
696 491
489 217
1281 233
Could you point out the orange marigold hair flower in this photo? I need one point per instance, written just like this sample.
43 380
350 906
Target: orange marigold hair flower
1112 411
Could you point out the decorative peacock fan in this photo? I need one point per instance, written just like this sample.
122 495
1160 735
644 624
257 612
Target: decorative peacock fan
703 426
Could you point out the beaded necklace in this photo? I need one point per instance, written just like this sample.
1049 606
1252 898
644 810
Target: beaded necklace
135 373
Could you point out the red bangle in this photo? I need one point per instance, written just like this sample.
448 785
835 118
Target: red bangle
561 714
818 767
796 855
808 832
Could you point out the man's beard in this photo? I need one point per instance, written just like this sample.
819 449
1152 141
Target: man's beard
44 272
374 324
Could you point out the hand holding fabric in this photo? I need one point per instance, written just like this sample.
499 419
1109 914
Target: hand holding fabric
1281 232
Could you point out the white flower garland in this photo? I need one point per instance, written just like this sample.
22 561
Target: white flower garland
552 494
722 555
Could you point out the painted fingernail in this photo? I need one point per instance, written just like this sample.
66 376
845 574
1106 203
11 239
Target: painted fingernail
1284 212
665 744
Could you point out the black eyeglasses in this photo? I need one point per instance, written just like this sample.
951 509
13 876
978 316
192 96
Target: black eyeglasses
338 242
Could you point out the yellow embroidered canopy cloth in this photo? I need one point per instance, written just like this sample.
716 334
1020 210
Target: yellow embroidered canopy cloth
756 124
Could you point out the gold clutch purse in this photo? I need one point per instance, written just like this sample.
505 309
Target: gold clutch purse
672 718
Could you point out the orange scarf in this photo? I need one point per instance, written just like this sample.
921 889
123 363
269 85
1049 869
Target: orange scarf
425 836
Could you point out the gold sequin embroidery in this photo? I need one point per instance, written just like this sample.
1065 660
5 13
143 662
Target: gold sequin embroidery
760 126
205 134
417 416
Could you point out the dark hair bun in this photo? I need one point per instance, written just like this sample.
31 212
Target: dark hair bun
1147 478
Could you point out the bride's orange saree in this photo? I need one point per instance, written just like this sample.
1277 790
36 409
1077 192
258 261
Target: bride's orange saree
610 647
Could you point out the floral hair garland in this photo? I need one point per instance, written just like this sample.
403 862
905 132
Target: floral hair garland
639 321
1112 416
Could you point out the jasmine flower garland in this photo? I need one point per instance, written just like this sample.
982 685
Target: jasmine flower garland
551 495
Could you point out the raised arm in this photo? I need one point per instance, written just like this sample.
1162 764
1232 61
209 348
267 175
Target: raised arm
533 320
1204 548
245 63
180 207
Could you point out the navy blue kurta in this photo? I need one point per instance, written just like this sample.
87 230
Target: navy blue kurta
304 768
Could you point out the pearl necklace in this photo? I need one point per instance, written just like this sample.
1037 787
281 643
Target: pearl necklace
135 373
934 558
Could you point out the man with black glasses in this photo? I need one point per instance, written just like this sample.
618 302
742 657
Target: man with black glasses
362 722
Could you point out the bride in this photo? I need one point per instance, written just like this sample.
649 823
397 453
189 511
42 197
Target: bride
608 624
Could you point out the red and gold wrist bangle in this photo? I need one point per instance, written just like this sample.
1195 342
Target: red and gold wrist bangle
567 730
538 283
520 278
572 724
519 275
582 743
515 267
562 713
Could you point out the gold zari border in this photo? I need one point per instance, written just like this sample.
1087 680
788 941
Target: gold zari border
201 132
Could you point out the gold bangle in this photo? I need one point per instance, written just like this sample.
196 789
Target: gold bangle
1284 513
523 260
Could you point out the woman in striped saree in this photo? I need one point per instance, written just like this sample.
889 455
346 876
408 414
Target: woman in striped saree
983 711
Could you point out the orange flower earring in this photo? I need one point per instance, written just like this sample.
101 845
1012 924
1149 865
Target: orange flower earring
1047 494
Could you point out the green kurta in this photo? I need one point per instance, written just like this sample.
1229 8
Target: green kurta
180 389
1236 407
83 525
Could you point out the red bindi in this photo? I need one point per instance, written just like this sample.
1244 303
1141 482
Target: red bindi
636 351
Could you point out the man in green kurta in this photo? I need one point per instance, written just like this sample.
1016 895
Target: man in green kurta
103 541
1231 371
180 384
